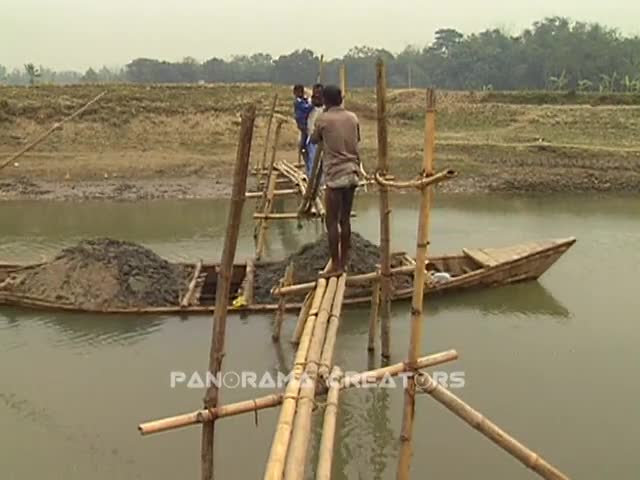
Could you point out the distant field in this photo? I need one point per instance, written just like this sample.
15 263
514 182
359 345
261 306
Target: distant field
498 141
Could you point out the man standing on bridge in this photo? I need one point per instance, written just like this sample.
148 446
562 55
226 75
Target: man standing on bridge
339 131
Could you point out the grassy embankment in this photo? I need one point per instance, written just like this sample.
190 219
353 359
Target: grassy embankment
522 141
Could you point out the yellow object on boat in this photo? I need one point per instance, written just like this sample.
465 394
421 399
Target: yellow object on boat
239 302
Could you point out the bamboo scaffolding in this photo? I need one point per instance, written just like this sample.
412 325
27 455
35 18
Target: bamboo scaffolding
475 419
282 436
224 281
273 400
44 135
385 210
326 360
373 314
417 302
279 317
188 297
325 458
297 453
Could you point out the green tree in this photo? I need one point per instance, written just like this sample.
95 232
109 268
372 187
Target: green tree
32 72
90 76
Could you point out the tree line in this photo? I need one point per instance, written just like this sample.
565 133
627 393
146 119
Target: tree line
553 54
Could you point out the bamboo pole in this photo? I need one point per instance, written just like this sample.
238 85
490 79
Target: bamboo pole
275 216
489 429
320 69
325 459
385 210
282 436
277 193
224 280
282 302
302 317
343 81
326 360
351 280
417 302
56 126
421 183
313 184
274 153
297 454
188 297
266 215
310 306
373 315
263 160
269 401
249 281
203 416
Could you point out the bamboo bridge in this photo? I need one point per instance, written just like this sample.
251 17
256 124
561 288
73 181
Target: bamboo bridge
314 372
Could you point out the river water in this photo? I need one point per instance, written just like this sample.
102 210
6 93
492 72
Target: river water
552 362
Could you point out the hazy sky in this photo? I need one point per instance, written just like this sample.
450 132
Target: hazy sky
75 34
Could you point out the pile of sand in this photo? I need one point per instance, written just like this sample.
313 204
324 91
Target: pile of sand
105 273
312 258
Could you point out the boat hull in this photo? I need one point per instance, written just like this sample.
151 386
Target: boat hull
488 268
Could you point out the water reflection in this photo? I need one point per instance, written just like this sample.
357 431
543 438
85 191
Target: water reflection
82 329
527 299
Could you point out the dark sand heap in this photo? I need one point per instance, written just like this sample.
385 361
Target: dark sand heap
312 258
105 273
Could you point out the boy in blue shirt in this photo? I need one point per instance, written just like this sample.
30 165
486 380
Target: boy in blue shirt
301 109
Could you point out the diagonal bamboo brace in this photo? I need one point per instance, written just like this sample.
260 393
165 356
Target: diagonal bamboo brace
532 460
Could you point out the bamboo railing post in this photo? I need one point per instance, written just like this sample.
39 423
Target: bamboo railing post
44 135
385 210
373 314
282 302
325 458
417 304
263 160
489 429
224 281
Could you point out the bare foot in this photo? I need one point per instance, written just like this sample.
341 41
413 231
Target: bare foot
331 273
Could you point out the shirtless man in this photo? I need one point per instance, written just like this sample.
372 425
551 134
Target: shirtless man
339 131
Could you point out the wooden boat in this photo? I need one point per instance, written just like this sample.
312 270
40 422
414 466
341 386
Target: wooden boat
474 268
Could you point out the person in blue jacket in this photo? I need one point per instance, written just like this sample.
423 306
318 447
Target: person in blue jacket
301 109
